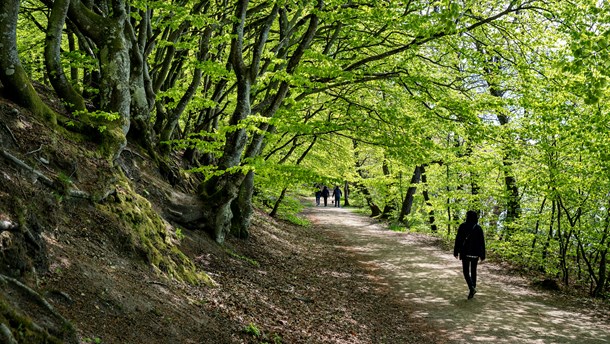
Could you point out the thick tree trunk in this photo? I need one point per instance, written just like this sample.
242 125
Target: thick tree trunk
242 208
346 192
142 95
407 203
17 85
109 34
220 192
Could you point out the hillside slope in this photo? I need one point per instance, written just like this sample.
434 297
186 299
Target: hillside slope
86 256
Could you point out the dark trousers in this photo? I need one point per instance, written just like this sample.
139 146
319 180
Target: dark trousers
469 267
338 202
325 200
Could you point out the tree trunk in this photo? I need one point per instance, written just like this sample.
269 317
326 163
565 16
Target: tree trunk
389 206
204 45
407 204
298 162
431 217
109 34
242 208
375 210
16 84
513 205
52 53
279 200
246 76
346 194
220 192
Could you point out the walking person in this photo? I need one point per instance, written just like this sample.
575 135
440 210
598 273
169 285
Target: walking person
470 247
325 193
318 195
337 195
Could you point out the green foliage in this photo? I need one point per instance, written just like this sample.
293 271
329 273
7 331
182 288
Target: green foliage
252 330
397 227
101 118
297 220
179 234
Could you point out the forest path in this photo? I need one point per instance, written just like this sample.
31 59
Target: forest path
504 310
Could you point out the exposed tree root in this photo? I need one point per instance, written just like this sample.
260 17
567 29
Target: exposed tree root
6 336
70 192
38 299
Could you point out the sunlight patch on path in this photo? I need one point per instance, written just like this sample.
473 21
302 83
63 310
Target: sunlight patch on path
504 309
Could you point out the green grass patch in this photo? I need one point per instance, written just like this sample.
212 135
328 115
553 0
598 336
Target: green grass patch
240 257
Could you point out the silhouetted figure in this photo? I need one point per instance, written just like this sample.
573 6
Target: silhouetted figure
325 193
337 195
470 247
318 195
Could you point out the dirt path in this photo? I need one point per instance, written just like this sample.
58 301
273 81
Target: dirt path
505 309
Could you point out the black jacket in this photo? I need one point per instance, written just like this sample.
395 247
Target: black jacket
325 192
469 241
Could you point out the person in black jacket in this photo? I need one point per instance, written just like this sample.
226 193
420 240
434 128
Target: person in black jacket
325 194
337 196
470 247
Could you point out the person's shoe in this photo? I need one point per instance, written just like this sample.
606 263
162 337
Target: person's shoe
471 294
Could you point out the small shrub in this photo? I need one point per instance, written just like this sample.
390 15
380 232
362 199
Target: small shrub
252 330
179 234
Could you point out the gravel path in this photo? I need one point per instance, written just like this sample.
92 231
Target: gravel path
505 309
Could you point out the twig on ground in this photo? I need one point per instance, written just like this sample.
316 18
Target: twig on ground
35 150
158 283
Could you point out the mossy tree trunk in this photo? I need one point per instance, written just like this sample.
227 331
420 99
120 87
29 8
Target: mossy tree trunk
123 80
17 85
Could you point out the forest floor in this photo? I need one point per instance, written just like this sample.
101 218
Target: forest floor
506 308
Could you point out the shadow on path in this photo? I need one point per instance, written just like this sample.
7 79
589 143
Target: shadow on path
504 310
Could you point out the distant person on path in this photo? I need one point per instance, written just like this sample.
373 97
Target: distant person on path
325 193
470 247
318 195
337 195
